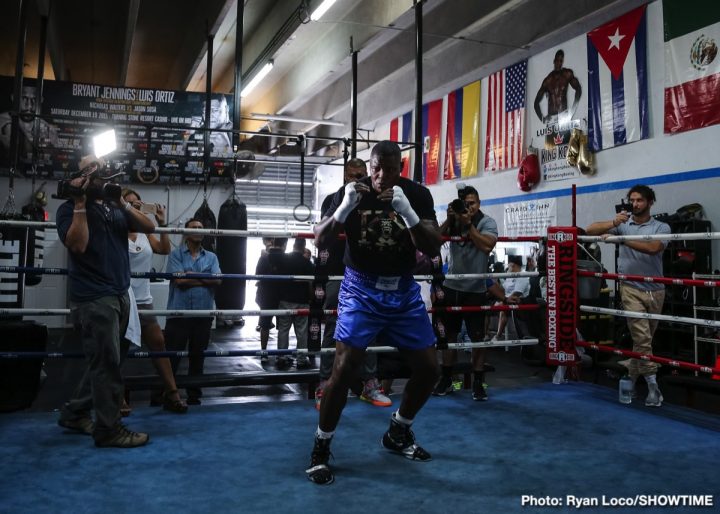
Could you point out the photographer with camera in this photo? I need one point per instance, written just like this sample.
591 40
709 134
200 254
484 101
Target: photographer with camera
94 224
639 258
464 218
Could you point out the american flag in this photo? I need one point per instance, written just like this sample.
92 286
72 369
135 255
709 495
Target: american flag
506 117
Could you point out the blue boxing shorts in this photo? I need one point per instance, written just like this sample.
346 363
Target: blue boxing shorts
390 307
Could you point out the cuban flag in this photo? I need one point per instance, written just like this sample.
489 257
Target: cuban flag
400 132
617 81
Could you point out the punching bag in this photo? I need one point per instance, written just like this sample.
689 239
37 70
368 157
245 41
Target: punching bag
207 217
232 255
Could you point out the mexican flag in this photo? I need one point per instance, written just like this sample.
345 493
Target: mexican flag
692 64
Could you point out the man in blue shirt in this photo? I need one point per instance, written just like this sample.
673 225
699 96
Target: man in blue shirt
191 294
639 258
94 228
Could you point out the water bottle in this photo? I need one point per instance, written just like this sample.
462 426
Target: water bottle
625 388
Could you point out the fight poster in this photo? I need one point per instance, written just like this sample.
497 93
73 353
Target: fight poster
157 130
562 299
557 98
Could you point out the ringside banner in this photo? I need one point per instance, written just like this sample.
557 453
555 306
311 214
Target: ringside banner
562 299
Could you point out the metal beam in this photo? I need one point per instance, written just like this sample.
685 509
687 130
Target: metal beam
132 17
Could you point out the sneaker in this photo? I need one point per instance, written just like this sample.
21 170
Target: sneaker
303 363
400 439
122 437
443 387
83 424
319 473
654 397
319 393
479 391
264 357
373 393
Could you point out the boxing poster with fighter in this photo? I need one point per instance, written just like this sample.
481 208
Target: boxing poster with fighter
557 94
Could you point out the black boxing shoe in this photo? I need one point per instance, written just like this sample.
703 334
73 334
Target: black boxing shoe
319 473
400 439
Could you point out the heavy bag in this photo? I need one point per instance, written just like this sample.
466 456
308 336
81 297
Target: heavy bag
35 211
205 215
232 255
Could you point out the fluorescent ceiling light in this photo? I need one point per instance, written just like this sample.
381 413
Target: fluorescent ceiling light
291 119
104 143
256 79
321 10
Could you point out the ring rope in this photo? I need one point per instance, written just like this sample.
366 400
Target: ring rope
266 312
653 358
692 236
645 315
246 233
255 353
243 276
657 280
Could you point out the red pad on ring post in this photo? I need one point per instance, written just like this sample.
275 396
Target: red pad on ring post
562 297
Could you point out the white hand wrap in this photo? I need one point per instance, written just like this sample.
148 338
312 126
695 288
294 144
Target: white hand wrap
349 202
402 206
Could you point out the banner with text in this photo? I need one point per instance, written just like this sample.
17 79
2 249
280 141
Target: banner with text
155 128
562 299
530 218
559 104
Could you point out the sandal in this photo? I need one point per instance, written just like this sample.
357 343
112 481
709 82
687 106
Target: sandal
173 405
125 409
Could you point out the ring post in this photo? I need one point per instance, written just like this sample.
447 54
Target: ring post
562 298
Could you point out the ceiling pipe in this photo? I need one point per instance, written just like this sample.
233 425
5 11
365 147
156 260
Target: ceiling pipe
417 172
353 100
208 100
238 71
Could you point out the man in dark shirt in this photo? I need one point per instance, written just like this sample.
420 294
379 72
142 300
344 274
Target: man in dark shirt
95 230
267 296
331 263
386 218
294 294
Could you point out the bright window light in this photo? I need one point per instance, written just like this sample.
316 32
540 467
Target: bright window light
256 79
104 143
321 10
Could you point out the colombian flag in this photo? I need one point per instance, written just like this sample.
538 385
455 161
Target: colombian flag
463 132
400 132
431 130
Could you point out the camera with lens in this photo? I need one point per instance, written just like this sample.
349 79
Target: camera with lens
102 191
622 206
106 191
458 206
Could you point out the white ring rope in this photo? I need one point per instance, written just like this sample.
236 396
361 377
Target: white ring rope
645 315
652 237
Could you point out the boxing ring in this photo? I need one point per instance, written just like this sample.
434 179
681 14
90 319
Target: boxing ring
531 447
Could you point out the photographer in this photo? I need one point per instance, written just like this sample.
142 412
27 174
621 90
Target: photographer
94 224
465 218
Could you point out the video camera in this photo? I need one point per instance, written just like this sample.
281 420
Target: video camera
90 168
623 206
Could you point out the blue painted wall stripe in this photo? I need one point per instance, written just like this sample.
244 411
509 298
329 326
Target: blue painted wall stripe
684 176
